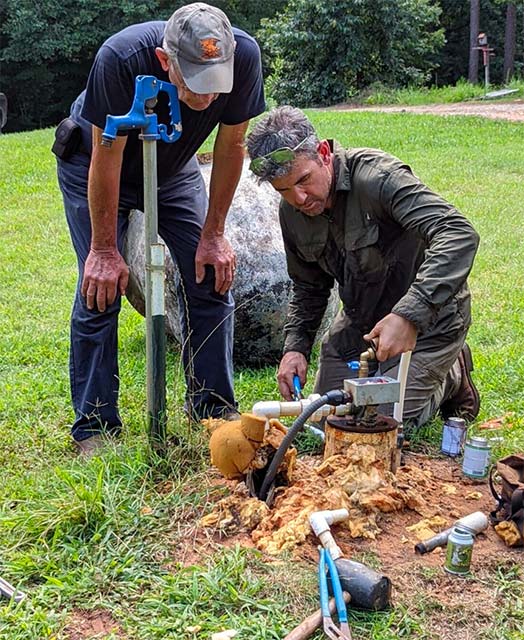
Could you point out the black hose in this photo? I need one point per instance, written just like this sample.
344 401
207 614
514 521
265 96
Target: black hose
334 398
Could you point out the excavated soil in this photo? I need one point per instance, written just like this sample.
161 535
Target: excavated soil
447 494
454 607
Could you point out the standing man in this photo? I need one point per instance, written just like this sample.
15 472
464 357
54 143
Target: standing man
217 71
400 254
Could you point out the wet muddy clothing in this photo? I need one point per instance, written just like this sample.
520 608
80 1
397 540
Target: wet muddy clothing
392 245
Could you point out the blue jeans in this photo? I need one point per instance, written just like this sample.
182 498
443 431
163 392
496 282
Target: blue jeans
206 317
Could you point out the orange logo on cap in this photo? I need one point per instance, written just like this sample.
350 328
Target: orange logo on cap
209 48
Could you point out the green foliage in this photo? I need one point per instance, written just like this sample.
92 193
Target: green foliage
322 52
47 47
247 14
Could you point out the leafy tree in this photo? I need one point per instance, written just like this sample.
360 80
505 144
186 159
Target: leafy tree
47 50
456 53
321 52
247 14
47 47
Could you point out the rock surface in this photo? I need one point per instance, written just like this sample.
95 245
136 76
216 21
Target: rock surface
261 288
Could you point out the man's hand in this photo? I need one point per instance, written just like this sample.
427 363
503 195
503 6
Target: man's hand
105 273
293 363
214 249
394 335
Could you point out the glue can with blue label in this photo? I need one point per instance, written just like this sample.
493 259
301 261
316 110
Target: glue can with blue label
453 436
477 456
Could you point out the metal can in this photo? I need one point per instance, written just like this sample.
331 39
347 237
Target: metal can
477 454
459 552
453 436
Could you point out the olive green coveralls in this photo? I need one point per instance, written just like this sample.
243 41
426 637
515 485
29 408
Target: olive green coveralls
392 245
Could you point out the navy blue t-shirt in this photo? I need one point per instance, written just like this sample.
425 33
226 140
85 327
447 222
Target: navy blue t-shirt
111 88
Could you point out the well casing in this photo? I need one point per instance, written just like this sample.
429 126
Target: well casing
341 433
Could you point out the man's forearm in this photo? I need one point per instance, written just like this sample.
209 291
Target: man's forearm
228 159
103 191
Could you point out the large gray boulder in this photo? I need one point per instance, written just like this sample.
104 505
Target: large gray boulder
261 288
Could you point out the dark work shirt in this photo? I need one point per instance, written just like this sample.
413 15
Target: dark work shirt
390 243
111 88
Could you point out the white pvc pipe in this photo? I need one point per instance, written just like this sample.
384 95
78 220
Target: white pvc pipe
402 377
320 521
275 409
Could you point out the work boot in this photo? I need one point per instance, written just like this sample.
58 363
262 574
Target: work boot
466 401
90 446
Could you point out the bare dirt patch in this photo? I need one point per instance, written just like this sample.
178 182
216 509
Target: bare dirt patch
513 110
91 624
453 607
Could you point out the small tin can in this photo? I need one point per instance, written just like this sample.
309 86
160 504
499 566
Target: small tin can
477 454
459 552
453 436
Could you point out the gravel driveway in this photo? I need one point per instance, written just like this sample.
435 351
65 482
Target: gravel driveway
513 110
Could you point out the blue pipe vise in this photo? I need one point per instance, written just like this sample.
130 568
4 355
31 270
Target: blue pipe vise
141 115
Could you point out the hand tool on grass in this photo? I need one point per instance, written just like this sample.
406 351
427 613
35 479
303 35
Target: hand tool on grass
308 626
8 591
141 116
330 628
367 588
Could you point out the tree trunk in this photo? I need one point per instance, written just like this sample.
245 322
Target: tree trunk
509 41
474 22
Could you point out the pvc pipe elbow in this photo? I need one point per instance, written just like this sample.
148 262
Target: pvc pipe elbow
268 409
321 520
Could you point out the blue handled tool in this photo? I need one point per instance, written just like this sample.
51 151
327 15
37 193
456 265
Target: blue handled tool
141 116
297 388
330 628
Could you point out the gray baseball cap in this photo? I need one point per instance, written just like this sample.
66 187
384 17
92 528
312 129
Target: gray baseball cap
199 37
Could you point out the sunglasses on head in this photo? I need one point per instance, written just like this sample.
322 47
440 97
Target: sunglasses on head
277 157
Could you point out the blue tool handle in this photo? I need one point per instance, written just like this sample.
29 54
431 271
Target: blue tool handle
337 588
297 387
322 585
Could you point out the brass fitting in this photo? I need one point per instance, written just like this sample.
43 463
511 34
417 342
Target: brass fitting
365 357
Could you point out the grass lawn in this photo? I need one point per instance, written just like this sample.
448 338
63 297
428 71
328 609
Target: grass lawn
111 541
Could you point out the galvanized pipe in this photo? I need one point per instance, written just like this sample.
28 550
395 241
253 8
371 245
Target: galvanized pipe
155 304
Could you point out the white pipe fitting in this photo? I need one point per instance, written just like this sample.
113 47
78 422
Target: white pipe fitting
320 522
276 409
402 377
